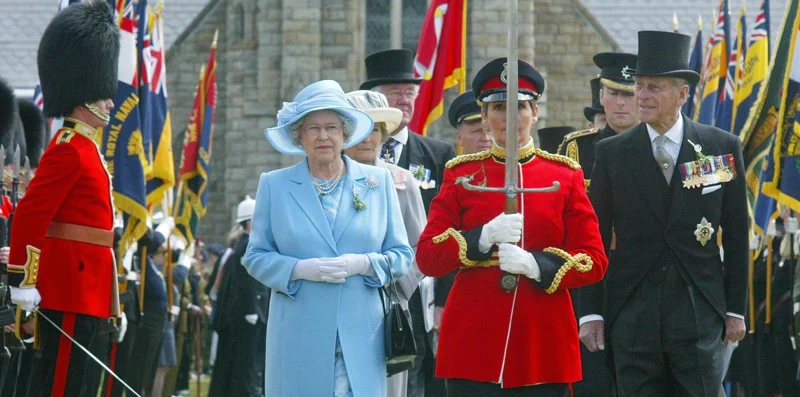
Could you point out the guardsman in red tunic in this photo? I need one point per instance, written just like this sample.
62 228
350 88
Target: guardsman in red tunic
61 258
519 339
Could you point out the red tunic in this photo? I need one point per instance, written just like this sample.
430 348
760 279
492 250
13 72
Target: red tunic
6 207
71 186
529 336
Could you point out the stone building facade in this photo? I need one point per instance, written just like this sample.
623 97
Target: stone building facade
269 49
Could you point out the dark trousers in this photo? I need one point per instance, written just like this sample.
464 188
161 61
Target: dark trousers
124 366
471 388
236 372
597 381
146 348
667 338
63 368
18 368
417 375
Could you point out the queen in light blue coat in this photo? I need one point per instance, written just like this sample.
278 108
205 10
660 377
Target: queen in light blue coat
325 234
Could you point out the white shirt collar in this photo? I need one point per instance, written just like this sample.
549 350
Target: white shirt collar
674 134
401 136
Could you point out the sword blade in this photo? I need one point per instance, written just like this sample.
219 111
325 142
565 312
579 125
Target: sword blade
512 113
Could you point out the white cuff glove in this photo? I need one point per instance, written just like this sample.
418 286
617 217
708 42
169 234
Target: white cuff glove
26 298
357 264
502 229
251 318
328 270
123 327
166 226
755 242
516 260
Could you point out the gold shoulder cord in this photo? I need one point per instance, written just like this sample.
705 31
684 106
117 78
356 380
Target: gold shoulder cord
466 158
558 158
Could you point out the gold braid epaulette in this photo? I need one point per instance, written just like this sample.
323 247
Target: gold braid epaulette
558 158
462 245
580 262
576 134
466 158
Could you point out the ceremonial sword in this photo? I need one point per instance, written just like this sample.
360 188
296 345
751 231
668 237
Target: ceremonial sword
511 189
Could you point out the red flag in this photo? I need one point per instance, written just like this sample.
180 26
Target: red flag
441 59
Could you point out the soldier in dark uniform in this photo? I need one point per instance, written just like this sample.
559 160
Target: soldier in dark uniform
551 137
243 304
61 256
595 114
619 105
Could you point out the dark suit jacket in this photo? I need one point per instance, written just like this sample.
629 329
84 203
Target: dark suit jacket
240 294
432 154
626 198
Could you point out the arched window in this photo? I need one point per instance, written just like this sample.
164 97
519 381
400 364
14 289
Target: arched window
394 24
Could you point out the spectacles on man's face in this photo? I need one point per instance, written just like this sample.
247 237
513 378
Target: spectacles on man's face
397 93
330 129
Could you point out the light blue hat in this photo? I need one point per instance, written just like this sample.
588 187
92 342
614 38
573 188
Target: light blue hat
322 95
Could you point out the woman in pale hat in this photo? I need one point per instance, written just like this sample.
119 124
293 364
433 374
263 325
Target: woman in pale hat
325 234
412 208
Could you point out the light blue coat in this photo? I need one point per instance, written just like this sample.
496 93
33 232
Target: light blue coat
304 316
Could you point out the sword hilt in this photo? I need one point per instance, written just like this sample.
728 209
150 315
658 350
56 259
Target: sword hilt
511 190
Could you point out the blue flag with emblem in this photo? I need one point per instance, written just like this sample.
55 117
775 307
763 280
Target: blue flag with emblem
716 70
160 175
123 140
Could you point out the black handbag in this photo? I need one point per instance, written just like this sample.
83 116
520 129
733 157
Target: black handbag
398 337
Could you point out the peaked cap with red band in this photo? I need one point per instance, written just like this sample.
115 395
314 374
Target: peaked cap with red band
489 84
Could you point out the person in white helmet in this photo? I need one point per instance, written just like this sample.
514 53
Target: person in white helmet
241 321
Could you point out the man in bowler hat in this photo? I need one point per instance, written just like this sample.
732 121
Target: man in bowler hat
391 73
669 303
465 116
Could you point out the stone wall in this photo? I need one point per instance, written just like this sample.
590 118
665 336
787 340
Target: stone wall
568 38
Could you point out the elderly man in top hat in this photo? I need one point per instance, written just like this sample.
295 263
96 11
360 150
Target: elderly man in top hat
665 188
61 257
391 73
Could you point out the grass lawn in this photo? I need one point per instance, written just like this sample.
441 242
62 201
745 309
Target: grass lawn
204 382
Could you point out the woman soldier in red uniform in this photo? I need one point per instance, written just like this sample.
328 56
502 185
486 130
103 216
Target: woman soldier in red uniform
508 327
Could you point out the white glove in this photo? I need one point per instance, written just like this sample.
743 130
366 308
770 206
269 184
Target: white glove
123 327
502 229
26 298
754 242
328 270
166 226
516 260
251 318
357 264
790 225
772 230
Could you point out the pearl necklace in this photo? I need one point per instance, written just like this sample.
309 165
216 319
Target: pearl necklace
327 186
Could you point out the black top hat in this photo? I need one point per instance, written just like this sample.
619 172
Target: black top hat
616 69
82 31
489 84
464 108
590 111
665 54
551 137
389 67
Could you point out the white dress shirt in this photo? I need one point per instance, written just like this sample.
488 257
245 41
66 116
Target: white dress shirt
674 138
673 148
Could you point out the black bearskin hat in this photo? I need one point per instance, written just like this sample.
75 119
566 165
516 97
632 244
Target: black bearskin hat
8 113
78 57
35 126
